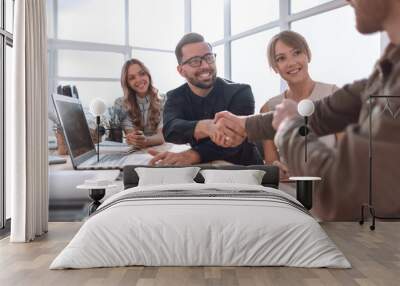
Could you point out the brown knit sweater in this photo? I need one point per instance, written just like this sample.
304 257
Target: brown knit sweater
344 169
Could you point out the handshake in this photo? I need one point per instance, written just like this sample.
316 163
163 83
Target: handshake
227 129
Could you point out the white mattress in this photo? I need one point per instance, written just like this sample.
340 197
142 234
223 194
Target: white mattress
200 231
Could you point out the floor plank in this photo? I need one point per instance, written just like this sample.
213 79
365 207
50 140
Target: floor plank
375 257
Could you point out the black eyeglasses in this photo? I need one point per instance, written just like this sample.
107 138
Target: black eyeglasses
195 62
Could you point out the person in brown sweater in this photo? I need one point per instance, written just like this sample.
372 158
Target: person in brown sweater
344 169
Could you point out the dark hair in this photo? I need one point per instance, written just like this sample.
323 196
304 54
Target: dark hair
189 38
130 101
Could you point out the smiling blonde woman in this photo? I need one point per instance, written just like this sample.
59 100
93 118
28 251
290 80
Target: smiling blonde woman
289 55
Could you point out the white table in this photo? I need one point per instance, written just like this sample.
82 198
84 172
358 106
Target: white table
63 179
96 193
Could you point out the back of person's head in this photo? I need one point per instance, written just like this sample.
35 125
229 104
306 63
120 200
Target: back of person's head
291 39
376 15
189 38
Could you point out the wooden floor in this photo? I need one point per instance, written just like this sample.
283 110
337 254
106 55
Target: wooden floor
375 257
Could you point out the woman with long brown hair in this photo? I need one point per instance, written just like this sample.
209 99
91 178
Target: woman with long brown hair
141 106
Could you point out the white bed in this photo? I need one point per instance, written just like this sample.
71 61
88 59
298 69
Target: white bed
184 230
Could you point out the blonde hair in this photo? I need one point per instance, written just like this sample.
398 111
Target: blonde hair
291 39
130 101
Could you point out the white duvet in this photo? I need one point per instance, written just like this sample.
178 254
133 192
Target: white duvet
200 231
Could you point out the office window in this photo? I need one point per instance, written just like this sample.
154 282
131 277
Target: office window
249 65
220 51
246 15
9 67
208 19
9 15
301 5
6 63
162 67
100 21
89 64
156 23
89 90
340 54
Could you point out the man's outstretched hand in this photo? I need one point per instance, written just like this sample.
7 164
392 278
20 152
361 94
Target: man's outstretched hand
231 129
287 109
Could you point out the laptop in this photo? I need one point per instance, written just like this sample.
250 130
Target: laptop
77 136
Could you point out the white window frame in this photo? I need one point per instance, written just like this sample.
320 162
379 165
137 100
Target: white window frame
283 23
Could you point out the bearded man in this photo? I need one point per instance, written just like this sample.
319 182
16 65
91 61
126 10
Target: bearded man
189 110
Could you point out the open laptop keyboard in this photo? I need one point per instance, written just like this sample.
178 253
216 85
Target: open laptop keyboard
112 158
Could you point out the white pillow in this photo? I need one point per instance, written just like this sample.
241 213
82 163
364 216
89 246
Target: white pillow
166 176
248 177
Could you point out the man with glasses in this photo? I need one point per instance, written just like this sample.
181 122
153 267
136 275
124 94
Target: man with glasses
190 109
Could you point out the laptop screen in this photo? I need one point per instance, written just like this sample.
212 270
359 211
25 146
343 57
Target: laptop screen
75 126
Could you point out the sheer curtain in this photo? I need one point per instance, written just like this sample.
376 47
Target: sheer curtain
26 119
